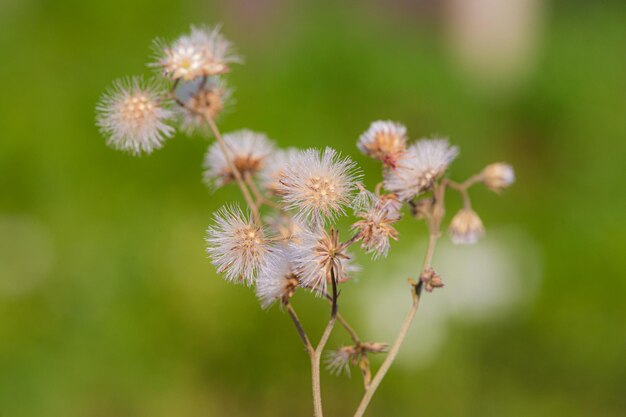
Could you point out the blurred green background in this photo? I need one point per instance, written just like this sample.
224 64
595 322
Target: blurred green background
109 307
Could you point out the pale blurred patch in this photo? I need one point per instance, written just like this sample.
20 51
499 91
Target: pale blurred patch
494 42
26 254
484 282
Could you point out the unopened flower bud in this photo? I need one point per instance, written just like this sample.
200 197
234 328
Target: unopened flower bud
498 176
466 227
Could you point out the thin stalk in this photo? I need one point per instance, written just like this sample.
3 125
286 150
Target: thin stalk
416 290
353 335
255 191
317 356
233 168
300 329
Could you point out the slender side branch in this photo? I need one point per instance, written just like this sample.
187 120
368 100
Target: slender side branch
353 335
300 329
231 165
416 290
393 352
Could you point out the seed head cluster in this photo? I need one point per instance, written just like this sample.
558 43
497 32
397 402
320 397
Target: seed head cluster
288 239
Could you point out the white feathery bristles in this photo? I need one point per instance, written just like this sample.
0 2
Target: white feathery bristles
498 176
247 150
202 52
132 117
237 247
276 280
338 361
375 226
272 171
318 184
424 161
385 141
201 100
466 227
314 253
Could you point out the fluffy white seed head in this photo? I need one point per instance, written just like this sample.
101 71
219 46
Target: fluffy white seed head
202 52
385 141
276 280
132 116
498 176
237 247
273 170
424 161
318 184
248 151
314 253
466 227
202 99
375 226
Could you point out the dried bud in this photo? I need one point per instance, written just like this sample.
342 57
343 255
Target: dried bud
498 176
374 347
431 280
466 227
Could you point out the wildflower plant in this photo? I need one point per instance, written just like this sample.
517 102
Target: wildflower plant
286 239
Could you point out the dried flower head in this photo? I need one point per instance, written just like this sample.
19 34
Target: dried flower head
424 161
202 99
273 170
248 151
237 247
202 52
276 280
318 185
339 361
466 227
375 225
385 141
132 116
374 347
498 176
315 253
431 280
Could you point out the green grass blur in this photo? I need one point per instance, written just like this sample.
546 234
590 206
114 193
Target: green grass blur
109 307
